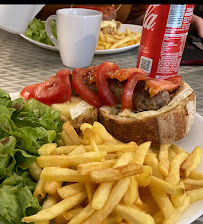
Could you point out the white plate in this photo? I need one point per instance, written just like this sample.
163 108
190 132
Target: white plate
134 28
193 139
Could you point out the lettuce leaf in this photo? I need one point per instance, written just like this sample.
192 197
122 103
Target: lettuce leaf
24 127
17 200
36 31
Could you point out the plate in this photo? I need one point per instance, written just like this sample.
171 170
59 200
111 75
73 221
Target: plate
134 28
193 139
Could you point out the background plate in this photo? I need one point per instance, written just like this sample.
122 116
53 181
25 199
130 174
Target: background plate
134 28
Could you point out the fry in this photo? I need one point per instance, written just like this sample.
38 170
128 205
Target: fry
132 193
174 169
192 161
163 159
35 171
177 149
112 174
78 150
162 201
133 215
195 195
158 217
57 209
71 189
112 220
60 220
177 213
151 160
66 149
70 160
94 146
109 148
52 186
86 168
101 130
68 215
171 153
65 138
117 193
195 174
49 202
90 189
90 134
72 134
166 187
144 178
82 215
47 149
178 201
39 191
63 174
84 126
141 152
193 182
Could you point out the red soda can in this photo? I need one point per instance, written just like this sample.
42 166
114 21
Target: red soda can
164 34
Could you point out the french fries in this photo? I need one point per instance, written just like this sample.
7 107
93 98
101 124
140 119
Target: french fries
94 178
111 41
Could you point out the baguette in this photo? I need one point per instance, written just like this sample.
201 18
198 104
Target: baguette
168 124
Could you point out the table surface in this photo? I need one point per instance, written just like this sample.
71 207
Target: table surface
23 63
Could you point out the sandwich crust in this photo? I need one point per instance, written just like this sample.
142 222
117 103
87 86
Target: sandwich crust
89 116
163 128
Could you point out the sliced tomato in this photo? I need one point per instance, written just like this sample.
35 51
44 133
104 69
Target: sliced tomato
91 97
154 86
124 73
56 89
90 74
28 91
102 83
129 89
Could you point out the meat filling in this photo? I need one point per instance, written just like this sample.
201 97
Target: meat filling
141 98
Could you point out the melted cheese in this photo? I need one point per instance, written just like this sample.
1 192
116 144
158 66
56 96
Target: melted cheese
111 23
72 109
184 91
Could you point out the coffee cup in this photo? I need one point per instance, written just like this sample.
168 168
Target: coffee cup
77 35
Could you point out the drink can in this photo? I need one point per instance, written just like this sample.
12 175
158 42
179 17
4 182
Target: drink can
164 34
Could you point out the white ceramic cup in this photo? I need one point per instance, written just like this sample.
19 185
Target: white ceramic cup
77 35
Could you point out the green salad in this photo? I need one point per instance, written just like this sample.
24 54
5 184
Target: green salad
36 31
24 127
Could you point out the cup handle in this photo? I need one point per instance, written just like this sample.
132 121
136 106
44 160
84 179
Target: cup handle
49 32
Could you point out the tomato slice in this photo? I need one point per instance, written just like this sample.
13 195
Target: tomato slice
154 86
56 89
102 83
91 97
90 74
129 89
28 91
124 73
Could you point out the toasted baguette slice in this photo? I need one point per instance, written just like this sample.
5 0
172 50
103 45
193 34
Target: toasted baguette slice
169 124
89 116
77 112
